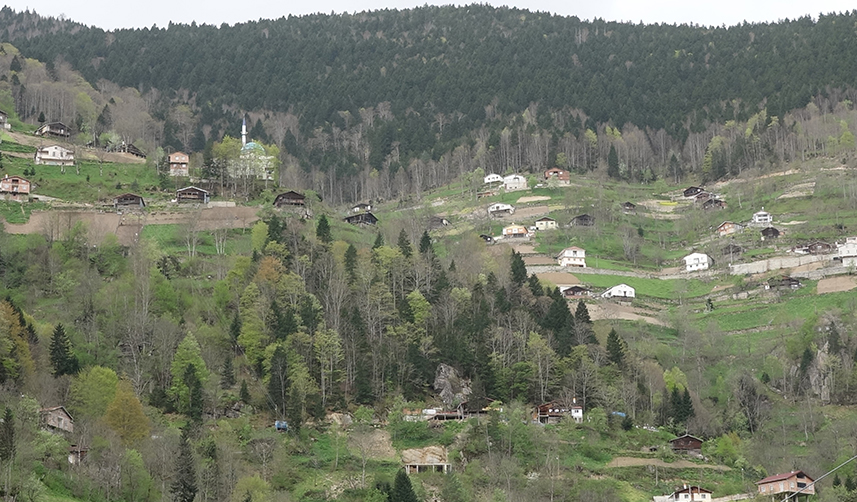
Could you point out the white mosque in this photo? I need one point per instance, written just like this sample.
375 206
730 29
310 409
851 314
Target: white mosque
253 161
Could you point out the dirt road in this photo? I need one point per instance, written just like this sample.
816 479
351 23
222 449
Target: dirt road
678 464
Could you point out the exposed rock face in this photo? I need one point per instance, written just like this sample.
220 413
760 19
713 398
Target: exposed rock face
430 455
452 388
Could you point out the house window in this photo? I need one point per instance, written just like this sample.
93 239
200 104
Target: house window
792 485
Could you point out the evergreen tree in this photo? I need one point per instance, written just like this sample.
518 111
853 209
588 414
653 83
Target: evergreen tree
581 314
16 64
42 118
244 393
687 406
850 485
351 262
425 243
836 480
235 331
379 241
535 286
7 437
195 400
518 269
477 399
613 163
616 348
227 377
405 244
403 491
63 360
322 230
183 487
676 406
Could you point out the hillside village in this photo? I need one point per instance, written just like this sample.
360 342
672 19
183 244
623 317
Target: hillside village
233 323
533 217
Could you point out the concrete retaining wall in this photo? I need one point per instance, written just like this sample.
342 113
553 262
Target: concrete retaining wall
759 267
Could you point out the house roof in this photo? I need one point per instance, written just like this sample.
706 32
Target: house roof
695 255
55 408
685 436
128 195
782 477
688 489
191 188
619 286
546 218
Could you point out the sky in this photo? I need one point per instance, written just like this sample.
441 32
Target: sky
139 14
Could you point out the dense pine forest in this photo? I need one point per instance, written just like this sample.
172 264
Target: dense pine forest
421 96
239 351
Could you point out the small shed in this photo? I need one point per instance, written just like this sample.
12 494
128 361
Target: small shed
428 459
436 222
576 291
732 250
770 233
728 228
583 220
692 191
561 175
629 207
290 198
77 454
128 199
487 238
192 194
362 219
57 418
57 129
713 204
686 444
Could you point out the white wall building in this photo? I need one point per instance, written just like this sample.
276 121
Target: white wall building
847 252
54 155
501 207
493 178
572 257
620 291
762 218
514 182
697 261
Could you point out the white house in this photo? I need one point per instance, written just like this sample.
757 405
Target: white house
514 182
762 218
54 155
847 252
572 257
515 231
686 493
620 291
697 261
546 223
500 207
493 178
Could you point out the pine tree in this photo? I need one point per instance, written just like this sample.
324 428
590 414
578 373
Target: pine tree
235 331
322 230
42 118
687 406
16 64
7 436
403 491
244 393
227 377
535 286
183 487
405 244
351 262
836 480
616 348
194 385
63 360
425 243
518 269
850 485
379 241
581 315
613 163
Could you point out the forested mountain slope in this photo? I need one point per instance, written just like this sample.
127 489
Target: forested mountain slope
424 95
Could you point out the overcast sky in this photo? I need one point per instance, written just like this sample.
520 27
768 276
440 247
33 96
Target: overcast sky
145 13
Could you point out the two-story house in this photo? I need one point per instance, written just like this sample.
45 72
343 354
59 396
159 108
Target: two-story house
54 155
179 164
572 257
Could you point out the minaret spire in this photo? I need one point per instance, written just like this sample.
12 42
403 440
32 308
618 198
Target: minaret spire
244 132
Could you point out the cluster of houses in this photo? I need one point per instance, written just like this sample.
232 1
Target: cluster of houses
761 219
791 484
